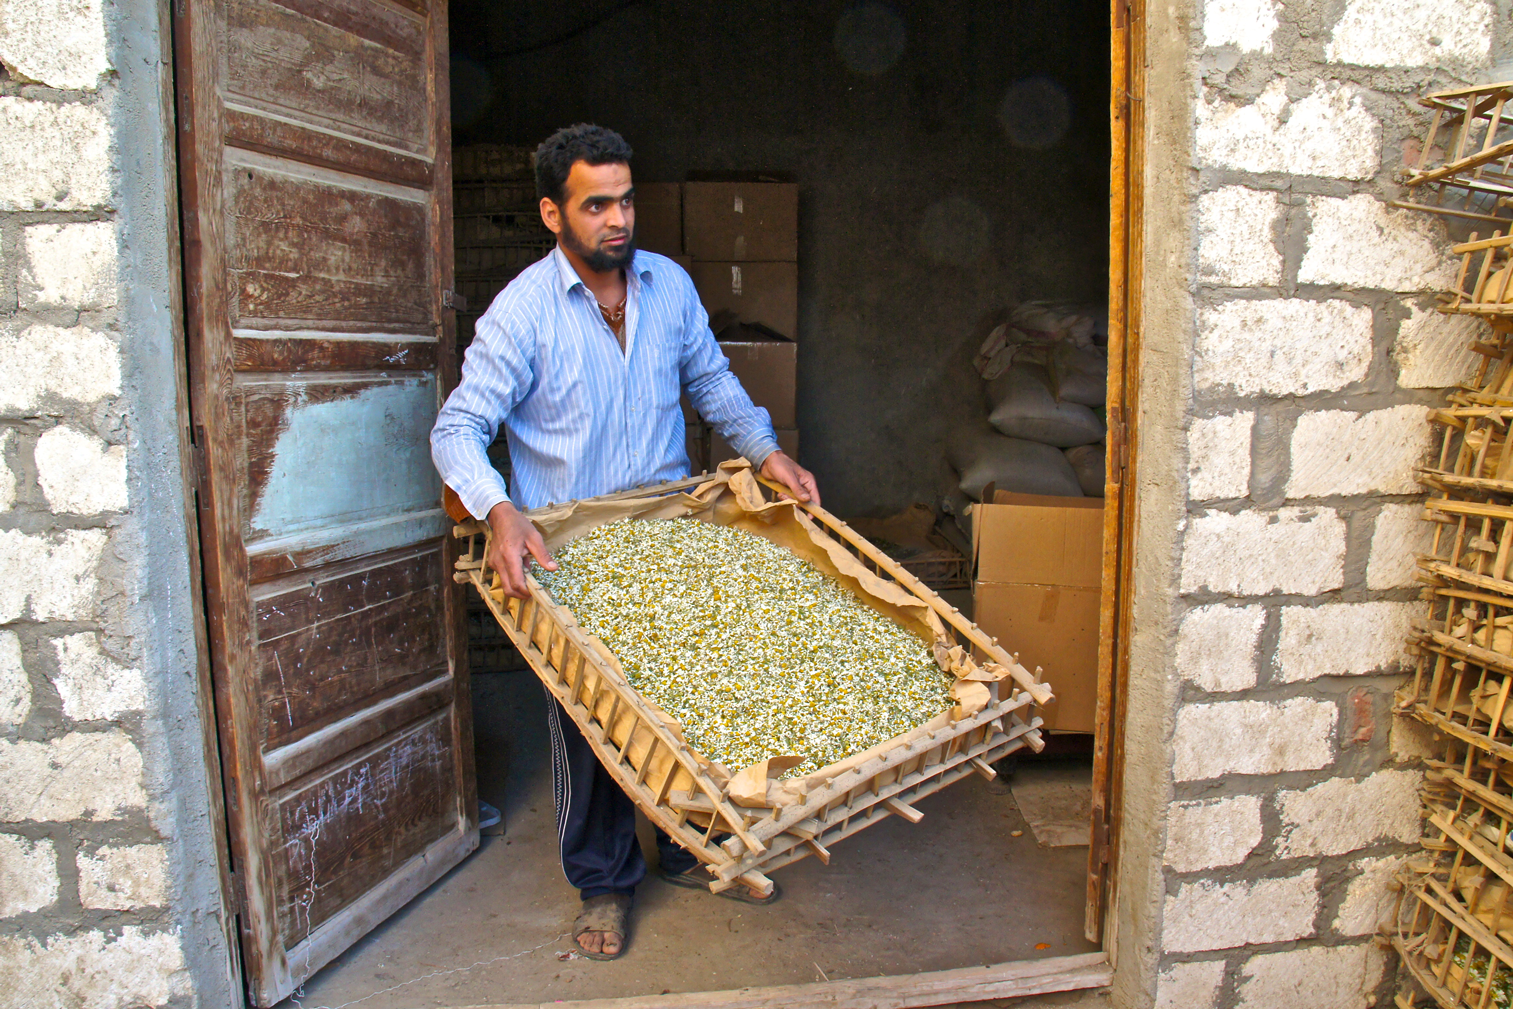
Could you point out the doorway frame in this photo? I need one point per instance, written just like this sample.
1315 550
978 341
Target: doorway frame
1012 978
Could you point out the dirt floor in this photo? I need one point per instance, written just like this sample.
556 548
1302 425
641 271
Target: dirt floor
955 890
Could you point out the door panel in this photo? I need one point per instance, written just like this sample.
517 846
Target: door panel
309 244
360 820
317 245
351 64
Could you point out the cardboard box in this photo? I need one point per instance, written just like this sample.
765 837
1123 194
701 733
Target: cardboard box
719 451
767 367
1038 588
659 217
763 293
741 221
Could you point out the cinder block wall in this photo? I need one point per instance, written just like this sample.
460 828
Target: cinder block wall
1277 605
109 887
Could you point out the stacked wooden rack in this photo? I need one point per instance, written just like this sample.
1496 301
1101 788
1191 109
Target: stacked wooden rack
1453 926
743 825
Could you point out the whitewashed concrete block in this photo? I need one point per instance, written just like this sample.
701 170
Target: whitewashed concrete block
1433 350
124 878
1342 815
1412 33
1327 133
7 474
1211 915
94 970
1359 241
1292 735
80 776
49 577
1344 639
1368 901
1343 452
60 43
54 157
79 473
69 265
1190 985
1254 553
1318 977
94 686
1218 456
1216 647
1397 540
1282 346
41 363
28 875
1410 739
15 687
1210 833
1245 24
1235 246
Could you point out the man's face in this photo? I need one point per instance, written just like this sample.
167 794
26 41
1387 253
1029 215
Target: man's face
597 218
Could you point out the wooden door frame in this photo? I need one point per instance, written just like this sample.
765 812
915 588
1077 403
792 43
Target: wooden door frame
1015 978
1126 287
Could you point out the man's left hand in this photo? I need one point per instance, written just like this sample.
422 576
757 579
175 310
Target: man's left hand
778 468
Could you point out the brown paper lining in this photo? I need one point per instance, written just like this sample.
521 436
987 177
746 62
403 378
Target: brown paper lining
732 497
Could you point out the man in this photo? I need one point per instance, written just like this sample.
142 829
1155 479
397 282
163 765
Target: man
583 358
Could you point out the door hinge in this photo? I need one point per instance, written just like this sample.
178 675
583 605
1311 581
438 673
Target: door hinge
456 302
238 894
197 458
1118 443
1100 837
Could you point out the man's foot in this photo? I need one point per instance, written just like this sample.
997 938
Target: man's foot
694 880
601 926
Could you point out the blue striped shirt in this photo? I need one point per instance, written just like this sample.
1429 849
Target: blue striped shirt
582 417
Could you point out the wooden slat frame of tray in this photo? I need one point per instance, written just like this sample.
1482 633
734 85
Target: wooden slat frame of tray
670 783
1474 448
1473 178
1448 673
1472 544
1432 920
1483 285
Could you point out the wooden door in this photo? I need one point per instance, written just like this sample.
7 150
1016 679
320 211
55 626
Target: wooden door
1126 247
315 182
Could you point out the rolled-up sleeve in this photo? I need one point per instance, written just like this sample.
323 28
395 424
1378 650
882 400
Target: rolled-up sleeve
496 373
716 393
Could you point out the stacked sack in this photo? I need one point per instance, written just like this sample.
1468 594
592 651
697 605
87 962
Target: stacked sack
1045 373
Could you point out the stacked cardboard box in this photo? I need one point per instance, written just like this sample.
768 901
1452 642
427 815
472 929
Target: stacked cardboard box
739 243
1037 586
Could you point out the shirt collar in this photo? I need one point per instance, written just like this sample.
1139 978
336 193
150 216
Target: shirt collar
640 269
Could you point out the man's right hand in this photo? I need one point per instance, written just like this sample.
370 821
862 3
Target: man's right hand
515 538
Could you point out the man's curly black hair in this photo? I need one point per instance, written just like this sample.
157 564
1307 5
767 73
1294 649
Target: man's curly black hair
579 142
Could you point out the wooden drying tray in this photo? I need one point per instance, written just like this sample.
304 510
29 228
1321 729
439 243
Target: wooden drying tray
1455 902
1474 456
1484 285
1469 178
712 814
1472 544
1435 922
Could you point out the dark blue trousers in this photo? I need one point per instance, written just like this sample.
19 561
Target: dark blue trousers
596 821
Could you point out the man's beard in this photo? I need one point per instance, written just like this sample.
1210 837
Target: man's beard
598 260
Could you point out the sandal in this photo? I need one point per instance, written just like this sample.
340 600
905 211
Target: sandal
607 912
693 881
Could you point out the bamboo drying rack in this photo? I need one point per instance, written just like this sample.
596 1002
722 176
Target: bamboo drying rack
1454 919
683 794
1472 178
